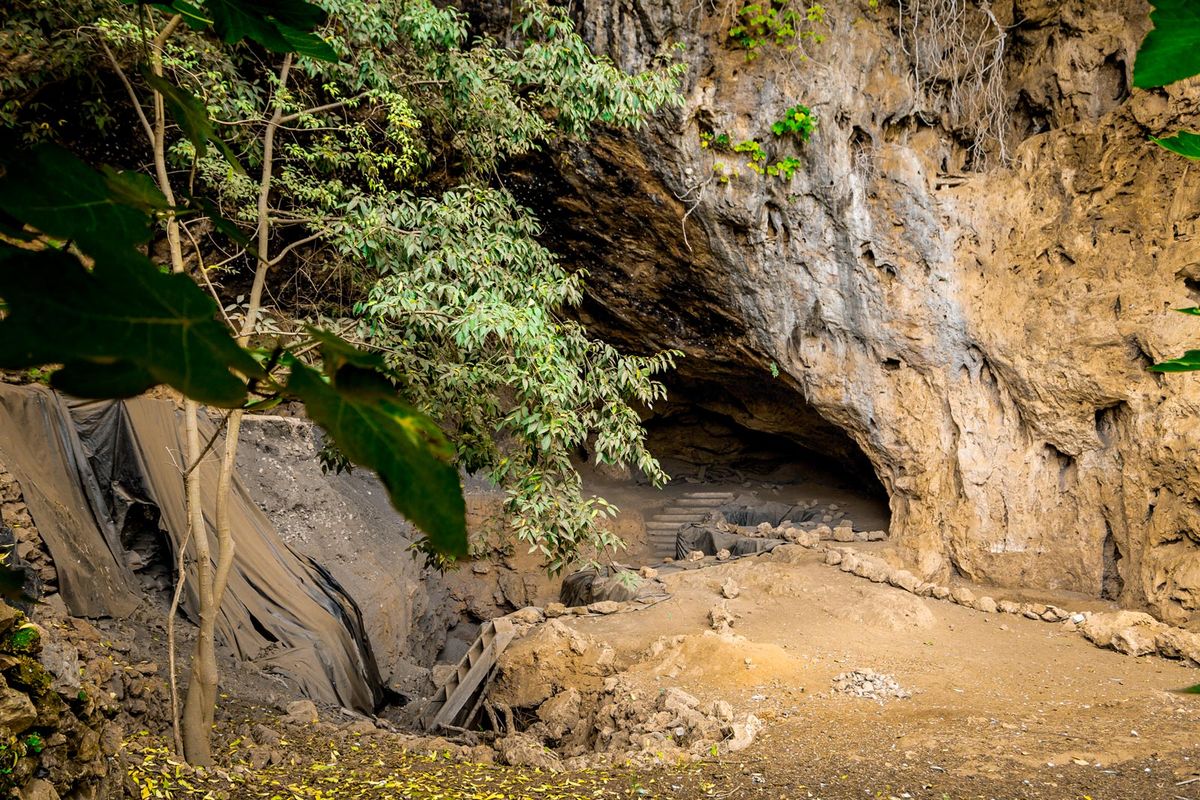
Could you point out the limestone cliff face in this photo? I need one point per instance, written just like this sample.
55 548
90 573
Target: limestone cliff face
981 335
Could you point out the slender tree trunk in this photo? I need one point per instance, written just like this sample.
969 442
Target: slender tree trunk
200 705
192 733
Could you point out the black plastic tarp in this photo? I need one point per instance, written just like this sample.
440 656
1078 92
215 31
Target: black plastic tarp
83 464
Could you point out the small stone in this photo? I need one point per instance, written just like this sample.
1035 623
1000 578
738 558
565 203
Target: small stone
1008 607
605 607
555 610
480 568
903 579
530 615
723 554
1055 614
720 617
16 711
730 589
876 536
986 604
38 789
649 573
941 592
963 596
833 558
362 727
695 555
264 735
843 534
1032 610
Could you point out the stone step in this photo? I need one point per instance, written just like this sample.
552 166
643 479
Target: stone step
680 517
710 495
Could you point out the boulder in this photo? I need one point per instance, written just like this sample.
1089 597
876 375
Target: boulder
523 750
561 713
1129 632
743 734
302 712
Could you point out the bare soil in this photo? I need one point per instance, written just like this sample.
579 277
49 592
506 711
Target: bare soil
1002 706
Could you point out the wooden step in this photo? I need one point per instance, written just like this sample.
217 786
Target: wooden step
470 679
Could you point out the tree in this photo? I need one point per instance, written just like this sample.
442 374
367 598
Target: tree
382 169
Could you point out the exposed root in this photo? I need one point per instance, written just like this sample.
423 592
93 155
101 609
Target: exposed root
958 62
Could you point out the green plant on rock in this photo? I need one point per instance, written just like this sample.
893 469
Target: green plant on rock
783 23
754 151
784 168
23 640
715 141
724 173
797 120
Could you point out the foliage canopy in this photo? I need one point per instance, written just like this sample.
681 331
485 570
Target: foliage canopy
382 143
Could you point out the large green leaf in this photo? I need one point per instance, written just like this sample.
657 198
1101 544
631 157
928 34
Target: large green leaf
359 410
59 195
282 26
1188 362
1184 143
145 326
1171 51
191 116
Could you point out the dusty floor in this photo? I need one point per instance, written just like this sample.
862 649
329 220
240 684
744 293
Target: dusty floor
1002 706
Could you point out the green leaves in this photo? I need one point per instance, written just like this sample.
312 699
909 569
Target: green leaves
358 408
281 26
1184 143
1171 51
1189 361
123 324
1190 690
58 194
191 116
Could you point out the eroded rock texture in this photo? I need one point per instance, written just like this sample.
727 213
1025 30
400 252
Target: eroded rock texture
982 335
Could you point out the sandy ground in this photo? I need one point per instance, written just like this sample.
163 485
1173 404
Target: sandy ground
1002 707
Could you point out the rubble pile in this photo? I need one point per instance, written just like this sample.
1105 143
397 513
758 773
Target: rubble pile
581 708
869 684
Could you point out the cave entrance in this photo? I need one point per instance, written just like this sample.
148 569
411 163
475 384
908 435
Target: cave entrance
749 447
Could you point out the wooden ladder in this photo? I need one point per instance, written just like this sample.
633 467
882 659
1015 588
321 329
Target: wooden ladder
458 700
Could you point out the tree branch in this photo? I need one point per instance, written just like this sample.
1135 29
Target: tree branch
318 109
298 243
133 98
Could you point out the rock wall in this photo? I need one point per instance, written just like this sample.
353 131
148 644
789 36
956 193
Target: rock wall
982 336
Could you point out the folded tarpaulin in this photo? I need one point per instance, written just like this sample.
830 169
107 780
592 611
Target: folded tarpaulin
281 610
39 446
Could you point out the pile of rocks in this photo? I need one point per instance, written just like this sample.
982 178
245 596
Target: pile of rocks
622 724
583 709
869 684
63 708
26 540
